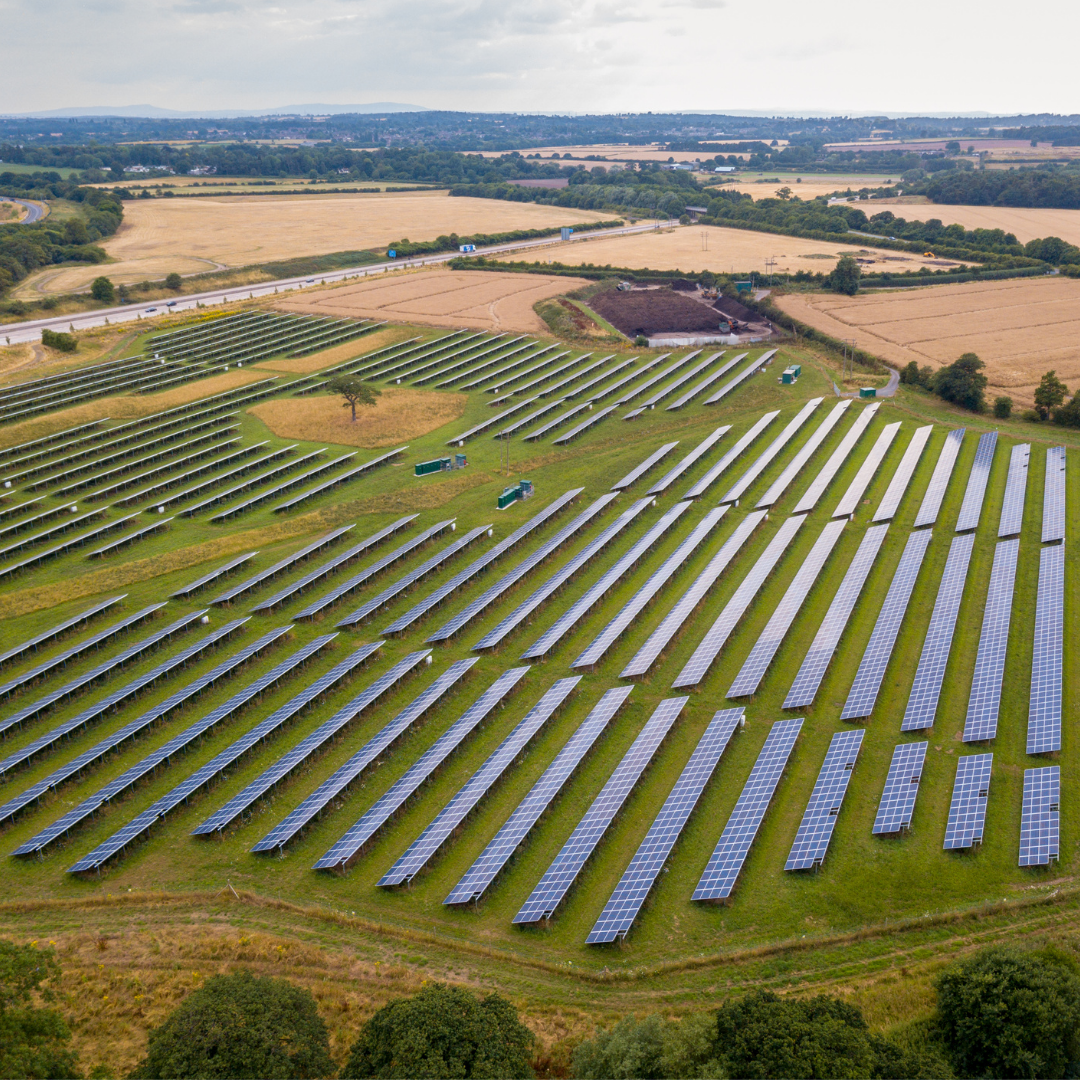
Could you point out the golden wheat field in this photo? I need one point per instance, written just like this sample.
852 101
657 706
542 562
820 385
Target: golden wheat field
189 236
437 297
706 247
1019 328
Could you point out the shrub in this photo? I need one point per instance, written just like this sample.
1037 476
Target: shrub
1031 416
962 383
1003 407
641 341
652 1047
103 290
1049 394
844 277
1067 415
174 281
63 342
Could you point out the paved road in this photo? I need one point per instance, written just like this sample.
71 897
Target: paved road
14 333
34 211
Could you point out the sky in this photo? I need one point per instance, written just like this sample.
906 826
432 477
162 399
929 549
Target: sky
843 56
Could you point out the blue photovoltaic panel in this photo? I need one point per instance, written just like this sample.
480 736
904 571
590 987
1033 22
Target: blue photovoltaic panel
753 366
639 471
494 857
604 375
574 432
702 447
967 813
699 663
803 455
890 501
1041 816
805 687
984 701
646 656
1012 509
639 877
744 440
901 787
348 847
971 509
1053 524
738 489
633 607
54 632
726 862
864 690
930 674
326 485
560 577
424 847
761 655
705 383
819 820
460 440
939 481
1044 703
592 596
563 871
247 485
471 610
525 421
837 458
127 538
285 485
654 379
199 582
558 421
857 488
655 399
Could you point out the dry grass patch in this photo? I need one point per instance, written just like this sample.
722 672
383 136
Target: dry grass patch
305 365
20 363
400 413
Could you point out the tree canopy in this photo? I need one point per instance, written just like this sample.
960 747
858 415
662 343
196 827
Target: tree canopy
962 383
844 277
355 392
1049 394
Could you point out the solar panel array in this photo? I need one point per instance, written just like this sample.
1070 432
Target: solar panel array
971 509
803 455
901 788
805 686
326 485
984 702
875 659
460 440
128 538
713 376
639 877
857 488
699 663
1040 817
574 432
1012 509
751 368
930 674
727 860
715 471
702 448
890 501
564 869
939 481
1053 524
31 644
1044 702
819 819
837 458
967 812
349 846
495 856
761 655
646 656
638 471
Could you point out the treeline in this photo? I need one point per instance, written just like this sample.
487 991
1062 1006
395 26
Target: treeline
451 242
1050 188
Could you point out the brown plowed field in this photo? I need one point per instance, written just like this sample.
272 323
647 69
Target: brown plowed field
655 311
1019 328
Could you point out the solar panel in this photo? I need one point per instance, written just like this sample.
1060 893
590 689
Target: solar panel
525 421
761 655
727 860
326 485
715 471
901 787
738 489
471 610
818 821
702 448
750 369
1044 703
824 478
655 399
272 492
805 686
558 387
639 471
46 534
697 666
805 452
639 877
1041 816
514 372
564 869
574 432
31 644
971 509
1012 508
570 618
496 359
288 762
967 814
1053 526
459 580
142 723
460 440
857 488
129 538
250 483
560 577
939 481
506 841
654 379
890 501
875 659
349 846
633 607
602 377
646 656
984 701
712 377
67 545
619 384
558 421
930 674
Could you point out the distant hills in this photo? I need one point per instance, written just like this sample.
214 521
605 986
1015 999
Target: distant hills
153 112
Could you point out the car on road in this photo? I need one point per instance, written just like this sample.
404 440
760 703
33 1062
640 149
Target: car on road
149 309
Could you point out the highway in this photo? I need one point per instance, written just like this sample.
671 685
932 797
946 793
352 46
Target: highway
30 330
34 211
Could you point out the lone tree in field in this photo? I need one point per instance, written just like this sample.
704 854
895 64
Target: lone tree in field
962 383
174 281
844 277
355 392
1049 394
102 289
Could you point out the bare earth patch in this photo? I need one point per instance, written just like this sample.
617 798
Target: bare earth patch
401 413
458 298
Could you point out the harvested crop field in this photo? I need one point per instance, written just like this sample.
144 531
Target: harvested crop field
400 413
700 247
191 236
1019 328
458 298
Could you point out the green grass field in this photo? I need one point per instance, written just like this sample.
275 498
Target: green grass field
874 906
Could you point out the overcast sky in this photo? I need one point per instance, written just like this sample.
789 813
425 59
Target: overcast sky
540 55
